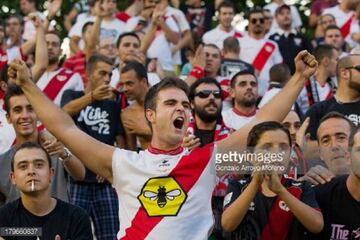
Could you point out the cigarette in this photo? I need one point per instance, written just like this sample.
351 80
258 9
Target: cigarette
32 186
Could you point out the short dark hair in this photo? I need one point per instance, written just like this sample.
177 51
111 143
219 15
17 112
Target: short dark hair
344 62
127 34
241 73
138 68
336 115
254 11
278 73
94 59
322 51
331 27
258 130
18 17
167 82
85 27
206 80
213 46
29 145
226 4
12 90
231 44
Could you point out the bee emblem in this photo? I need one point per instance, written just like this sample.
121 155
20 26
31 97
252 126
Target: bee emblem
162 196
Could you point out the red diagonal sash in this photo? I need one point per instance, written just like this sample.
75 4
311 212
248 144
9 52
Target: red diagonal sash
186 173
237 35
55 85
263 56
345 28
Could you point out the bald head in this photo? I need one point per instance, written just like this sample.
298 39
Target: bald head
345 62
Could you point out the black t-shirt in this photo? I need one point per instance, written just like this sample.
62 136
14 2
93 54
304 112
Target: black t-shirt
100 119
290 46
66 220
319 110
229 67
205 136
257 216
199 18
340 210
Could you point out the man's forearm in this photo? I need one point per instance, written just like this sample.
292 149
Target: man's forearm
51 115
75 106
41 56
308 216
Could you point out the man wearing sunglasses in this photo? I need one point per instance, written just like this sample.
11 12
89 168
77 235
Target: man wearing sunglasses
244 92
347 98
259 51
206 101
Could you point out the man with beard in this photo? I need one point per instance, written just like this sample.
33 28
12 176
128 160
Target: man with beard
260 52
347 98
339 200
244 91
135 85
206 101
56 79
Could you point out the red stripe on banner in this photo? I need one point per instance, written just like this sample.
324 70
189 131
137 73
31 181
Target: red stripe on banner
55 85
142 224
345 29
263 56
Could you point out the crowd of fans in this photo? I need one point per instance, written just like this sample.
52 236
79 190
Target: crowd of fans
121 139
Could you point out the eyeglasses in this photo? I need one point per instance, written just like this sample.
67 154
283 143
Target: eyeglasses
206 94
256 20
357 68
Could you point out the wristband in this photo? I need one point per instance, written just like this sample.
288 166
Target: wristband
197 72
67 156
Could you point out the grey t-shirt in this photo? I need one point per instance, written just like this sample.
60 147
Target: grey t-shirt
9 192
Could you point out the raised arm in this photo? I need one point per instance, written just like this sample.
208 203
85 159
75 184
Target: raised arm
95 155
41 54
279 106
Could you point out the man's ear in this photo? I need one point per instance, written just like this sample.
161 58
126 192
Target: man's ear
12 178
232 92
8 118
150 115
52 173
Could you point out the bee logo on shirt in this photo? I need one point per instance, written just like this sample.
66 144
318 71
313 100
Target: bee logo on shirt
162 196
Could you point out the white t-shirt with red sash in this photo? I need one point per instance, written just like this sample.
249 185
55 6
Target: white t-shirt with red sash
53 84
345 21
217 36
163 195
235 119
262 54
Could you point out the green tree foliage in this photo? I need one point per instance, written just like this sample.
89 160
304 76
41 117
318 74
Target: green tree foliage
12 6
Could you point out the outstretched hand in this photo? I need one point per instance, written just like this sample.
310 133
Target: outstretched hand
19 72
305 64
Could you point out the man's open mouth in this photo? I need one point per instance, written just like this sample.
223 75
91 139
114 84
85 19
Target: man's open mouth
179 122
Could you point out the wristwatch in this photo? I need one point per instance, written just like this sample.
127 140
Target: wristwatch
67 156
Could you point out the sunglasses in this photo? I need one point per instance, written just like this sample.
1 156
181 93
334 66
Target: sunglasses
357 68
256 20
206 93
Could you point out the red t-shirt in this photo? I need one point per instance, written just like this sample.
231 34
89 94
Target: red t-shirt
77 63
